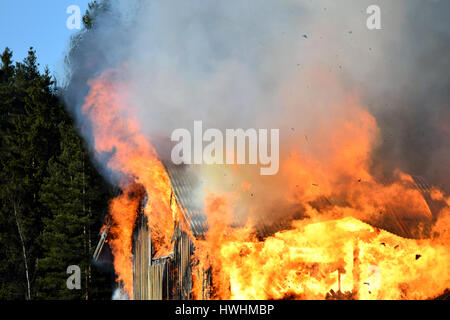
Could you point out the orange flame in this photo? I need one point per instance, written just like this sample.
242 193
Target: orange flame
350 257
117 132
330 253
336 244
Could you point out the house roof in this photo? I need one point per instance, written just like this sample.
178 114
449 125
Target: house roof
184 184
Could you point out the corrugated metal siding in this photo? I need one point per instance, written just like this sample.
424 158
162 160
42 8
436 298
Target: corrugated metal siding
183 185
141 259
183 249
167 277
160 272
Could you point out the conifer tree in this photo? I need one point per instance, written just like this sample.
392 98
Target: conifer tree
53 200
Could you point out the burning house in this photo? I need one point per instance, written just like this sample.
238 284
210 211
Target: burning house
347 215
170 276
323 227
157 277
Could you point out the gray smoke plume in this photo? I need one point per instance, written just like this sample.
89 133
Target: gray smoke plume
251 64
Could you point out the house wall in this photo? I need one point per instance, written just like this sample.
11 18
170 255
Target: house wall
167 277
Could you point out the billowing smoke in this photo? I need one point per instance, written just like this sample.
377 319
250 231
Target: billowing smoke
298 66
119 294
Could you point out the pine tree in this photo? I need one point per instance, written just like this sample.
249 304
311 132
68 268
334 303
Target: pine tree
22 163
53 200
63 237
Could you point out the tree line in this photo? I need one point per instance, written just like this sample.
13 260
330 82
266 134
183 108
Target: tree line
53 200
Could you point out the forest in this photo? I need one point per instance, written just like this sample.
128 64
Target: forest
53 199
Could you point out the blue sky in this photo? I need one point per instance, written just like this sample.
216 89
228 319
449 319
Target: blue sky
41 24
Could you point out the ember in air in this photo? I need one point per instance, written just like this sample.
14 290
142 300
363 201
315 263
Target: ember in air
218 151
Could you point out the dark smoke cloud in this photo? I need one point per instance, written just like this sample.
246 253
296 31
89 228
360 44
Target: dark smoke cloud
413 105
225 62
